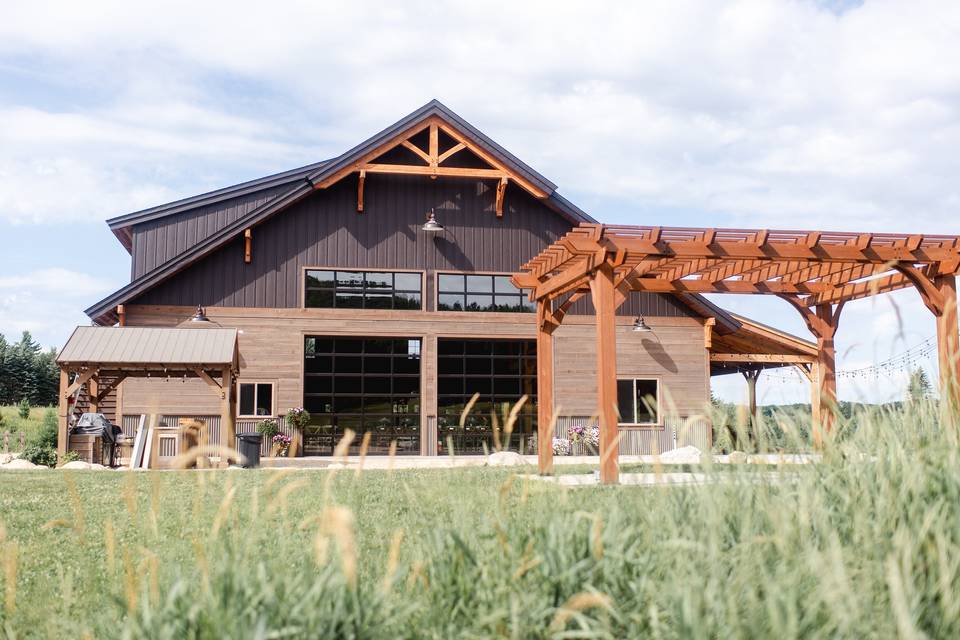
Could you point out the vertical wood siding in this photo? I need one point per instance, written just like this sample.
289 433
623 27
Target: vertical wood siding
157 241
326 230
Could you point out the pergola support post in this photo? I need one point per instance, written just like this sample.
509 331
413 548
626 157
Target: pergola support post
545 409
948 343
751 377
826 371
603 290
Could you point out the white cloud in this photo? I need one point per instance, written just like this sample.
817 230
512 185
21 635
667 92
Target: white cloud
47 302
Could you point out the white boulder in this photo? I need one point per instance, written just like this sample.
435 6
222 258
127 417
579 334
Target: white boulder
684 455
18 463
505 459
737 457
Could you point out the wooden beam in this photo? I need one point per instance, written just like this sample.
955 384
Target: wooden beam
63 413
93 389
455 149
734 250
751 378
948 345
228 413
860 290
247 246
434 147
545 406
657 285
708 325
929 292
601 284
105 390
761 357
203 375
121 315
360 181
80 381
452 172
827 371
501 190
417 150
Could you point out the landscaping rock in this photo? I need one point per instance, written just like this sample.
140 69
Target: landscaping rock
17 463
5 458
336 465
737 457
505 459
81 465
683 455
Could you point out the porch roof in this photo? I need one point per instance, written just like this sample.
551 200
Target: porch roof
149 347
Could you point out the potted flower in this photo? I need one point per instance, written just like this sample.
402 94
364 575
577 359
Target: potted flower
268 429
281 444
297 418
584 439
561 447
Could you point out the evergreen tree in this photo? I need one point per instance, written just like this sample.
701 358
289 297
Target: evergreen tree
28 372
4 374
918 388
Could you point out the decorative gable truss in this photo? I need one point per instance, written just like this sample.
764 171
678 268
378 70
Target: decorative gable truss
433 148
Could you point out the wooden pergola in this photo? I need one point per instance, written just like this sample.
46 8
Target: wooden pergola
816 272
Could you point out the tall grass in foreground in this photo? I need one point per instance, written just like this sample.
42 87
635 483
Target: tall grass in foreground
866 544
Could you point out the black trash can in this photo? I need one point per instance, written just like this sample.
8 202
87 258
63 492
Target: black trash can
248 444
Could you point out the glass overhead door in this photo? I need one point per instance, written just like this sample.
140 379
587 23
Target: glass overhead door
367 385
502 372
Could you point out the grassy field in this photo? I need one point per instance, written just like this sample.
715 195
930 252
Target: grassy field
14 424
865 544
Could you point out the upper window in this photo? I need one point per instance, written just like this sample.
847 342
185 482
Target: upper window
363 290
458 292
639 401
256 399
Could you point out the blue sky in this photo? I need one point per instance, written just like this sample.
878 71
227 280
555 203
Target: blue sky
828 115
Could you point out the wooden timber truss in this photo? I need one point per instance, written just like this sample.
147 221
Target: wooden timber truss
816 272
433 148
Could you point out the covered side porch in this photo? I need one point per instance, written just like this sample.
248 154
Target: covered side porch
817 273
95 360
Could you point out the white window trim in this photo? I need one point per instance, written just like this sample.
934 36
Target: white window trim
658 422
273 398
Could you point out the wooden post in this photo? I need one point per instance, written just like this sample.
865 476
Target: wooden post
602 288
93 389
544 391
228 412
63 413
948 343
815 394
826 370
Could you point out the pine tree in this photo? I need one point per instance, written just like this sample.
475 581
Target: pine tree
5 398
918 388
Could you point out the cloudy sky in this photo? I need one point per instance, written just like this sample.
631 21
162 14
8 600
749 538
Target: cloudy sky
828 115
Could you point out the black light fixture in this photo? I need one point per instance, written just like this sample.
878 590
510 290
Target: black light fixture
640 325
200 315
431 225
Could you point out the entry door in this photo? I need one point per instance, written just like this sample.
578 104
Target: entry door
365 384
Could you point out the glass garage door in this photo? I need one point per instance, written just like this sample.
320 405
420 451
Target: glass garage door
363 384
501 371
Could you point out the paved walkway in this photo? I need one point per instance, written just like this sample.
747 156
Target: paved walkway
450 462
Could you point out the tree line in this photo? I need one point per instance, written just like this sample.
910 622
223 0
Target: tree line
27 371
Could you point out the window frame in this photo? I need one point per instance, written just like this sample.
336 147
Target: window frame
306 269
658 422
273 398
491 274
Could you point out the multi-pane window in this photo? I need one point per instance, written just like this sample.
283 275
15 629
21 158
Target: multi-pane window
468 292
501 371
256 399
638 401
365 385
363 290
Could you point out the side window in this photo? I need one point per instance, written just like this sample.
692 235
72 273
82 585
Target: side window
638 401
362 290
256 399
470 292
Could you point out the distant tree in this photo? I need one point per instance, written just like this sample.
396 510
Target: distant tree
918 388
23 409
26 371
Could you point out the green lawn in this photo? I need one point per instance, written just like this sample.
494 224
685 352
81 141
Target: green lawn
866 544
14 424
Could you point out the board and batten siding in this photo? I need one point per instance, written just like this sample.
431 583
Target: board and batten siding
156 241
325 230
271 350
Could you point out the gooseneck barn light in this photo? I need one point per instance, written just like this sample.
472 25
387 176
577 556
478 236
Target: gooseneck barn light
640 325
431 225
